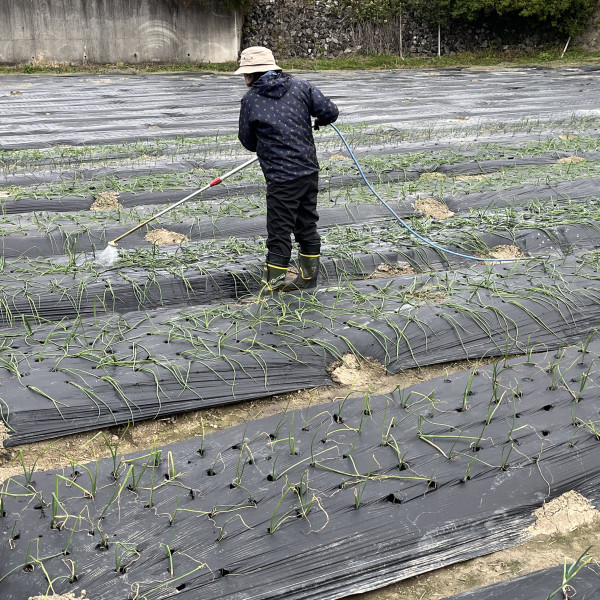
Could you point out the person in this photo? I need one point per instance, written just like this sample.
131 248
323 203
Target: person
275 122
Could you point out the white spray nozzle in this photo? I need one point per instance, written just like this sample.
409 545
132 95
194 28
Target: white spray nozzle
108 256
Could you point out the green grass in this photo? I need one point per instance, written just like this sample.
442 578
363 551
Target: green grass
493 57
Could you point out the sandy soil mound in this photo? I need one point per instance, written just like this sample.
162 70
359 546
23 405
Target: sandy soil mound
563 515
164 237
433 208
384 270
105 201
432 175
471 177
69 596
360 373
506 251
568 160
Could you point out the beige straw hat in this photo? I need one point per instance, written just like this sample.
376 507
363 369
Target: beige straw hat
257 59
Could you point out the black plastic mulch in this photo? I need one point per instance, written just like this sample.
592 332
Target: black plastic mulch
92 237
541 585
101 109
80 375
578 189
320 502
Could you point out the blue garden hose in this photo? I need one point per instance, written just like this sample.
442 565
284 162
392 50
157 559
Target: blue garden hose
404 223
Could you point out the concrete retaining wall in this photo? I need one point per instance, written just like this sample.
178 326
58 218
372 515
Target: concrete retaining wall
110 31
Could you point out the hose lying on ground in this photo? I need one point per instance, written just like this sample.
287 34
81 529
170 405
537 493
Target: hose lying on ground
404 223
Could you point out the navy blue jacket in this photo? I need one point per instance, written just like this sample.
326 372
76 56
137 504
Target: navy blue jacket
275 122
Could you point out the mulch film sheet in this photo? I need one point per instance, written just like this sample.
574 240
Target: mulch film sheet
542 585
79 375
319 502
370 490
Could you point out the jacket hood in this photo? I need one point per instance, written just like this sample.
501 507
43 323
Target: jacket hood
273 87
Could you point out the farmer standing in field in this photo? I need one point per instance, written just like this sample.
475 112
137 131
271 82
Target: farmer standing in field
275 122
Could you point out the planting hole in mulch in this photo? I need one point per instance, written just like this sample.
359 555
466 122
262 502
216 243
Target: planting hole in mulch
431 207
105 201
164 237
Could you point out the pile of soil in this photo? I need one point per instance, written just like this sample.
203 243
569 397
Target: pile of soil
106 201
164 237
360 373
563 515
569 160
432 175
385 270
69 596
469 177
433 208
506 251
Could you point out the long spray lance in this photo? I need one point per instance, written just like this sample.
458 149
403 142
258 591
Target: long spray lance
109 254
214 182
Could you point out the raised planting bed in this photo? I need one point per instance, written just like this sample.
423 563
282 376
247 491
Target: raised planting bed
316 503
334 499
583 581
90 373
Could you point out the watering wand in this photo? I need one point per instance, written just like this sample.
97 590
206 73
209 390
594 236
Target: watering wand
214 182
110 254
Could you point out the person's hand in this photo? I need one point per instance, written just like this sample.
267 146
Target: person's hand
317 125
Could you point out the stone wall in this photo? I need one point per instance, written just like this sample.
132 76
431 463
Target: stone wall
590 40
298 28
110 31
323 28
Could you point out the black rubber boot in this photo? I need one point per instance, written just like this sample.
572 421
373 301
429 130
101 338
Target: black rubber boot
273 277
307 275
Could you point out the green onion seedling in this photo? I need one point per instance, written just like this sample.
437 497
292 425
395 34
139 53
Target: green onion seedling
201 449
467 391
119 557
569 573
583 381
504 459
169 556
359 494
274 435
171 471
211 471
239 471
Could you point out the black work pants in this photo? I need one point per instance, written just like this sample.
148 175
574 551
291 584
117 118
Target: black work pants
292 207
